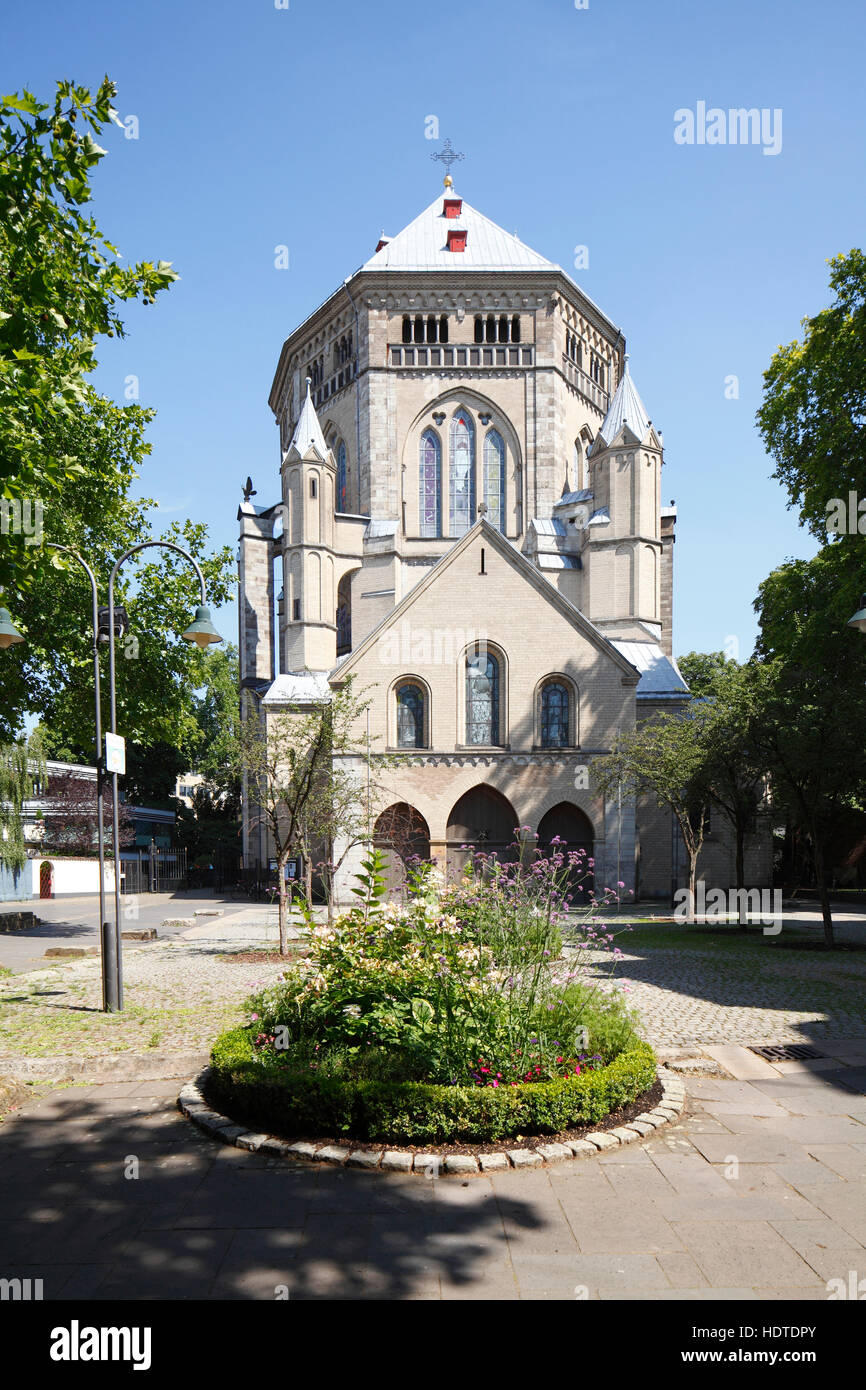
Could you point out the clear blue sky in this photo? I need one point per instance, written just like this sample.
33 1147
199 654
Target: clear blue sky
305 126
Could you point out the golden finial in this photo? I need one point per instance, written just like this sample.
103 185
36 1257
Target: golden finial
448 181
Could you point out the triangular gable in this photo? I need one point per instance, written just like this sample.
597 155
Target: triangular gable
523 566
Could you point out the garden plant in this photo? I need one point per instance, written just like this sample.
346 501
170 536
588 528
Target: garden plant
470 1010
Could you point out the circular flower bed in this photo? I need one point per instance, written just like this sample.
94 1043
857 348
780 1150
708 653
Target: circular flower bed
468 1012
295 1102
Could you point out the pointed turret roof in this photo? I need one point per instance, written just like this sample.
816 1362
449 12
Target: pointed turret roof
308 431
423 245
626 408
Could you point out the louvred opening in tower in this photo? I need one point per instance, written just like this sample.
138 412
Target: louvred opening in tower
453 207
457 240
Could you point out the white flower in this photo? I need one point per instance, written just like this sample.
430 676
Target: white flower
353 1010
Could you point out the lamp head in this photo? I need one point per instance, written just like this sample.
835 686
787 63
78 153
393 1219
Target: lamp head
859 619
201 630
9 633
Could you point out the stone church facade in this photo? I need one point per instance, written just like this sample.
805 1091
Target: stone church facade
469 521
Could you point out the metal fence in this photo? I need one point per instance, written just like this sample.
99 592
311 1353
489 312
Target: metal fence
154 870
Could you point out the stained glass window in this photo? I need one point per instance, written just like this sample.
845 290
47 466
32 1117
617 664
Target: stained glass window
482 698
494 478
342 477
554 715
410 716
430 486
461 474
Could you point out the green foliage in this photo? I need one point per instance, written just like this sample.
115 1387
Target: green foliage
22 768
60 284
79 455
665 758
296 1101
460 983
701 671
813 417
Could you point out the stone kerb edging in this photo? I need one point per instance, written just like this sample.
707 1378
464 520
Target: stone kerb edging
380 1159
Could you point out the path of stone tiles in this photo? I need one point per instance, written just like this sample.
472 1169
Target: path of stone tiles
758 1193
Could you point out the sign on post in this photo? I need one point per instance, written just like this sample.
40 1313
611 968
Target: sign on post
115 753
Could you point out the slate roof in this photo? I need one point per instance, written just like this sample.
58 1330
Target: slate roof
298 687
423 244
626 408
660 678
308 431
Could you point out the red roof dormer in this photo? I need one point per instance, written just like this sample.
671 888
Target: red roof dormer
457 239
453 207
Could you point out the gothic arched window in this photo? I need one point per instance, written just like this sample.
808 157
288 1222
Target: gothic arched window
482 698
430 485
554 715
410 716
494 478
461 473
342 477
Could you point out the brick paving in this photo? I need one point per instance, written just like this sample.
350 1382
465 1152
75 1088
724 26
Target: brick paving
759 1192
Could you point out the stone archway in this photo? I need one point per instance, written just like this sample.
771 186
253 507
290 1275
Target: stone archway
403 836
574 831
484 821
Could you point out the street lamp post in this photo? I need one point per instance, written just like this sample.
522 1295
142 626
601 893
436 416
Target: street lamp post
107 940
202 632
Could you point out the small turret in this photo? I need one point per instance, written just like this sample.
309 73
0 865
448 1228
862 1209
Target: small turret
309 630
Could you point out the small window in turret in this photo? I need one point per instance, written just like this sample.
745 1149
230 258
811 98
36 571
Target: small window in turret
314 489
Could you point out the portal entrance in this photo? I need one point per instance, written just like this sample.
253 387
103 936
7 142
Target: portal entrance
575 835
483 821
403 836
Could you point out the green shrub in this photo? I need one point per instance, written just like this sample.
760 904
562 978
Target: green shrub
460 980
286 1097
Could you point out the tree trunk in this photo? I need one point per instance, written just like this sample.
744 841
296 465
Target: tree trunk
284 937
308 880
821 873
742 909
693 875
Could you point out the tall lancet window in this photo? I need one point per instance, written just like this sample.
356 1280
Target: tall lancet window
430 485
482 697
342 477
461 473
494 478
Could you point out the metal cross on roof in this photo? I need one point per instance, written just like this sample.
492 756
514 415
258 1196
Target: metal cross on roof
447 156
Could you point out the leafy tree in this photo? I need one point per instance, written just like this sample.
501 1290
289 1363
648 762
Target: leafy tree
61 281
212 825
813 417
217 716
71 816
809 688
297 764
79 454
701 670
734 777
22 769
665 758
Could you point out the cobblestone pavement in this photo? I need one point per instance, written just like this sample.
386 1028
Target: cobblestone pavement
725 991
181 992
758 1193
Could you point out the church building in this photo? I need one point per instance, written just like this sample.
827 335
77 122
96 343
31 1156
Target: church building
469 520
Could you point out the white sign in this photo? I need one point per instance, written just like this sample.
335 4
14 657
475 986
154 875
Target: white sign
115 753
